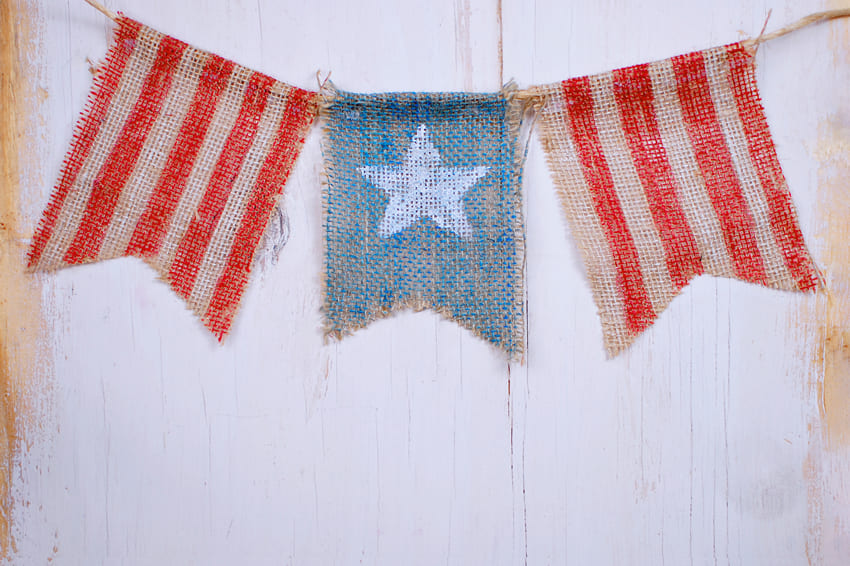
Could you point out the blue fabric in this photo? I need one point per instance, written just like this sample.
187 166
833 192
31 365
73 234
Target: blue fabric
475 280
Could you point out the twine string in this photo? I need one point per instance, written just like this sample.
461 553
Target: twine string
815 18
811 19
761 33
533 95
103 9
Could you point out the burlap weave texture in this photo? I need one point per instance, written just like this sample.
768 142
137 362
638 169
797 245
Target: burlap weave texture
667 171
423 210
179 160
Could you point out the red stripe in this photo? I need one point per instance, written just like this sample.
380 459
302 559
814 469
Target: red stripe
153 224
635 99
106 83
299 113
718 171
579 103
122 158
190 252
783 219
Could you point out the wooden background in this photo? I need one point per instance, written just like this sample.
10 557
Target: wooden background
132 437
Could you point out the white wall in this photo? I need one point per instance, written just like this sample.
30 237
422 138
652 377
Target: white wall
413 442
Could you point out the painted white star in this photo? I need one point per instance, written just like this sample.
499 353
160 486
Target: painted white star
424 187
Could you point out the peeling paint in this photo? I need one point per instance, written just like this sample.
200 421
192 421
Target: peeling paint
829 435
833 208
834 358
21 326
828 322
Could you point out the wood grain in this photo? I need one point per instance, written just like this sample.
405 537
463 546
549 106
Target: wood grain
718 438
24 361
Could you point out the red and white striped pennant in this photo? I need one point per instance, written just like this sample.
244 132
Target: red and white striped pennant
179 160
667 171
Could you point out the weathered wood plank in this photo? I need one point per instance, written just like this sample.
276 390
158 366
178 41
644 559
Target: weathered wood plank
720 437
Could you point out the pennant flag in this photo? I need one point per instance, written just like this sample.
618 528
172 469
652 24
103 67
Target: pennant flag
178 159
666 171
423 210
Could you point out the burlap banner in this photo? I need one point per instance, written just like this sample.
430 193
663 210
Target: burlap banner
423 209
179 160
666 171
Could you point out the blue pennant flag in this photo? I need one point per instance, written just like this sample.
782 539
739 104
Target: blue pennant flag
423 209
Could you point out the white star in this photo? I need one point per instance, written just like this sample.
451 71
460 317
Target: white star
423 187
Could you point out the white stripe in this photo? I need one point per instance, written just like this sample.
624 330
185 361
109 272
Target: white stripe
222 123
631 194
690 186
123 100
717 69
579 210
218 250
158 146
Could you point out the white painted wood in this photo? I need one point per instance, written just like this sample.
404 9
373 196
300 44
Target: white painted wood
413 442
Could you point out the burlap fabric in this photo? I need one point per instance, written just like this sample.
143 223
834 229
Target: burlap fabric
423 209
179 160
666 171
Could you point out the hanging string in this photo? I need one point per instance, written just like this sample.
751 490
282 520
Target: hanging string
753 49
103 10
811 19
799 24
532 94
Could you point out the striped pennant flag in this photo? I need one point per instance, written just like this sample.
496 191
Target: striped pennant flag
179 160
667 171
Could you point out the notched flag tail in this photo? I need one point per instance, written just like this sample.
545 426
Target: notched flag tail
666 171
178 159
423 210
